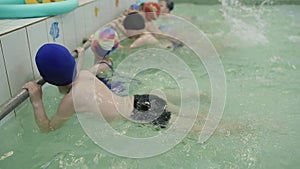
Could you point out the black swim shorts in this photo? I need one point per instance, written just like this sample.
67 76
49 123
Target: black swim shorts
151 109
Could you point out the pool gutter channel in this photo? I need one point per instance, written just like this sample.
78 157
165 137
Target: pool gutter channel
8 107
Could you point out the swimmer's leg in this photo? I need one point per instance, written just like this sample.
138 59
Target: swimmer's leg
185 127
174 109
176 99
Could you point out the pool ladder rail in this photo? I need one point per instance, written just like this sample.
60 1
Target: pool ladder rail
8 107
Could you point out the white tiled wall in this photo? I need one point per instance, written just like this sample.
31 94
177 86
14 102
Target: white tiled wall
68 30
17 59
21 41
80 28
90 18
37 36
4 90
50 22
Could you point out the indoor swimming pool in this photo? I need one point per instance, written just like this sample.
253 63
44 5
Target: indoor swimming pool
259 49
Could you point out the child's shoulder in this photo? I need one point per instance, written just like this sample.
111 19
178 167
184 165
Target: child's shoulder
83 74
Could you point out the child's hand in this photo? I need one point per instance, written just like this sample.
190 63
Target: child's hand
79 50
121 46
91 37
113 24
35 91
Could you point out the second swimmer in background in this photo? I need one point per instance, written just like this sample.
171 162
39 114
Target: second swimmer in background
103 43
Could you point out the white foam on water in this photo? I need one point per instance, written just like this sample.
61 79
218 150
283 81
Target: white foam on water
294 39
245 22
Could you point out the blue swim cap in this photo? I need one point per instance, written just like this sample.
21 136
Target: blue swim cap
56 64
135 6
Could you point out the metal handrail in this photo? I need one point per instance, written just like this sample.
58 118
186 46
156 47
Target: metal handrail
19 98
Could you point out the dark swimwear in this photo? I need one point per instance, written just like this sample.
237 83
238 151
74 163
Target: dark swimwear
151 109
170 5
115 87
106 79
147 108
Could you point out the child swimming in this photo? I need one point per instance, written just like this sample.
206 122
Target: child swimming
57 66
138 26
103 43
166 6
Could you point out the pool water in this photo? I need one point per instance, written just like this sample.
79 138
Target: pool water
259 49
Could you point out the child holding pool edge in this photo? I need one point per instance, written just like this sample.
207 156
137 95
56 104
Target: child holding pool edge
103 43
149 33
57 66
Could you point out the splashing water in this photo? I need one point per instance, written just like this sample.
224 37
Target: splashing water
245 21
260 125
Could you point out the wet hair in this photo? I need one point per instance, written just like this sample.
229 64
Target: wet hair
170 4
142 6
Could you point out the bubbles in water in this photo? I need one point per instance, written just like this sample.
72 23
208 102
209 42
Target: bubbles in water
168 63
70 160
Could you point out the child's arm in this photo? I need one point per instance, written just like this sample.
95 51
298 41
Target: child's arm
144 39
118 24
80 55
64 112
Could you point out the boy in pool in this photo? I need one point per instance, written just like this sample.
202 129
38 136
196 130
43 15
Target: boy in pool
57 66
103 43
133 26
166 6
132 8
138 25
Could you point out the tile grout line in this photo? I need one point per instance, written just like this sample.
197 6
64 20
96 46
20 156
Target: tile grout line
6 72
30 56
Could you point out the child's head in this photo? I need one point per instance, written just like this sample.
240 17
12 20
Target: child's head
104 42
166 6
134 24
152 10
134 7
56 64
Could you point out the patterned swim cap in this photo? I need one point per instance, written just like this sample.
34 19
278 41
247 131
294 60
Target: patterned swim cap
104 42
152 10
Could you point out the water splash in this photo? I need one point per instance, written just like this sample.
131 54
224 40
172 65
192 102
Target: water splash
245 22
6 155
294 39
